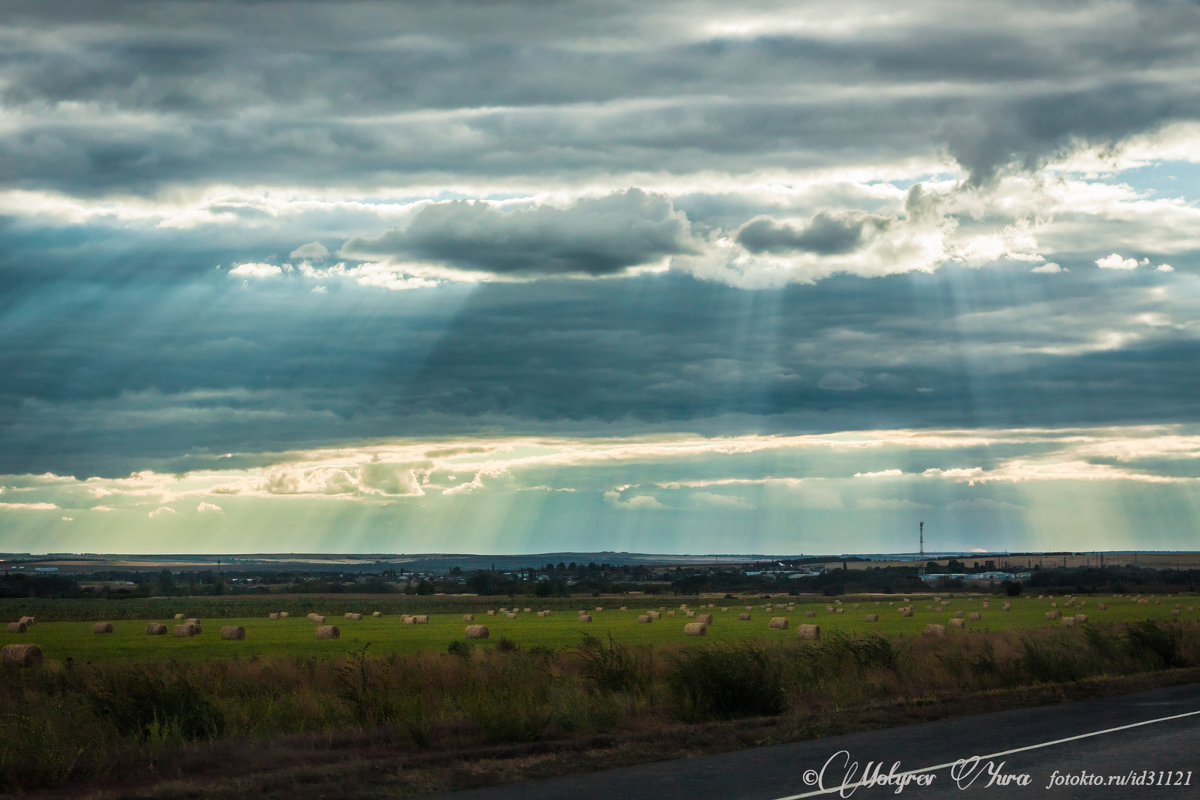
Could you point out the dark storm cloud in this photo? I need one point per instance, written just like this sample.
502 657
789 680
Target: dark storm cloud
597 236
139 96
825 234
107 380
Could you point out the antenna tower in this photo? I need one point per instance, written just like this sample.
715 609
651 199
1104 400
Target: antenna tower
922 541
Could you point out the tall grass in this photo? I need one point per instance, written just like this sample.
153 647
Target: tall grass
96 721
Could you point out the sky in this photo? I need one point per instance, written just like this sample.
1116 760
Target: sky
671 277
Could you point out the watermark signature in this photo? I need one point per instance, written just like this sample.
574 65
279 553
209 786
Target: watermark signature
841 774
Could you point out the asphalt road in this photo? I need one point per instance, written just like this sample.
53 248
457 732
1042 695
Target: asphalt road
1151 737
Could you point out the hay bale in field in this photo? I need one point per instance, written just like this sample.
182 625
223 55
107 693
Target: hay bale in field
156 629
810 633
975 615
328 632
21 655
958 624
749 608
353 615
906 611
544 613
599 608
491 612
743 617
622 608
839 611
102 627
724 609
179 616
1067 622
986 604
828 609
655 615
468 617
273 615
478 632
284 615
1081 617
958 615
31 621
1053 614
1102 606
585 617
872 618
233 632
407 619
192 621
526 610
646 618
690 613
810 613
695 629
317 618
935 630
511 615
376 613
17 627
780 623
1054 605
670 613
1006 607
707 619
184 631
420 619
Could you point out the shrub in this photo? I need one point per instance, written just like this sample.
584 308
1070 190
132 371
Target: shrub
612 667
727 681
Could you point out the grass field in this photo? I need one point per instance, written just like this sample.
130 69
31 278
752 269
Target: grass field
295 636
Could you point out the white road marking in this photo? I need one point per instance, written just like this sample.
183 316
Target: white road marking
849 786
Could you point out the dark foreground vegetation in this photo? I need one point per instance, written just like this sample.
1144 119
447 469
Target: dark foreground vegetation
136 725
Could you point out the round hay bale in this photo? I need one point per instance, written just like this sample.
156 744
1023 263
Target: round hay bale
526 610
16 627
29 621
179 616
1081 617
184 631
491 612
975 615
599 608
645 618
328 632
468 617
779 623
695 629
1006 607
906 611
156 629
743 617
544 613
376 613
511 615
1102 606
935 630
192 621
810 633
670 613
958 615
655 615
707 619
478 632
353 615
690 613
828 609
957 623
317 618
872 618
233 632
21 655
421 619
839 611
273 615
102 627
284 615
1053 614
1068 622
749 608
810 613
585 617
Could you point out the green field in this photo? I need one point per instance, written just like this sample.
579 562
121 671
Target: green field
75 640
